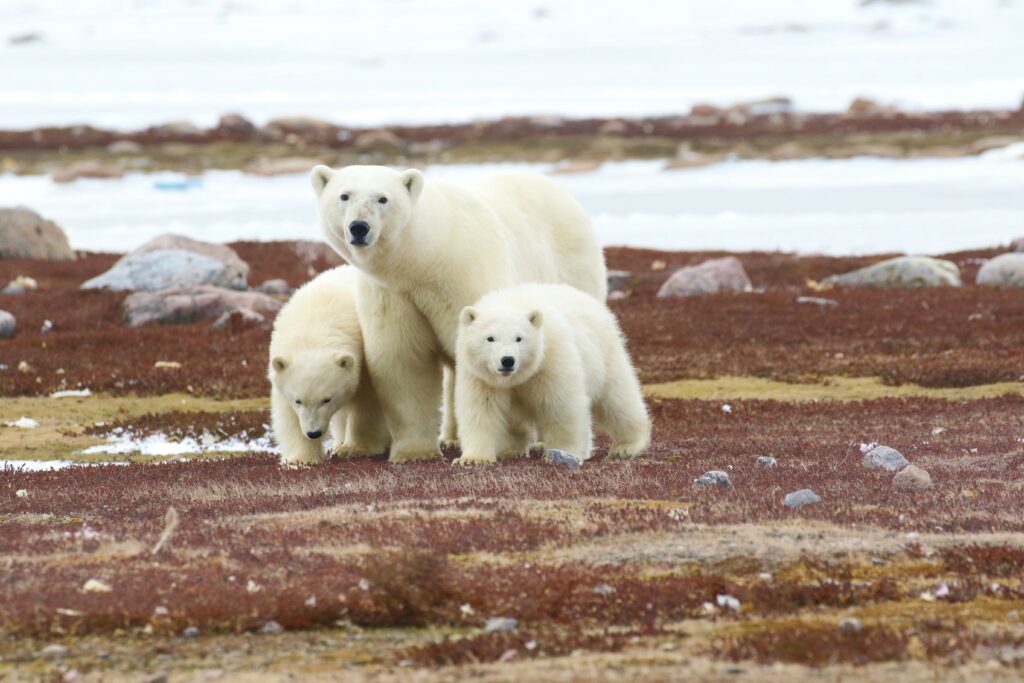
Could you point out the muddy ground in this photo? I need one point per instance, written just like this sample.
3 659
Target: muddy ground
360 570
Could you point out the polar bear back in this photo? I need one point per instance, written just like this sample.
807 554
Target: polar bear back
321 314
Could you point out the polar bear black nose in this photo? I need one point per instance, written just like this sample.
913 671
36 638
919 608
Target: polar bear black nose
508 362
359 229
314 435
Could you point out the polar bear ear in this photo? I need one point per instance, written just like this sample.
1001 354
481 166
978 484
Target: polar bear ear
278 363
345 360
536 319
413 181
320 176
468 315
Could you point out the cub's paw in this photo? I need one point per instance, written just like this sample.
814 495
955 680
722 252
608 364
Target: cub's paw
626 451
412 454
449 442
474 460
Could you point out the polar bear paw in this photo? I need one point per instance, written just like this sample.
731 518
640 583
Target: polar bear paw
627 451
413 453
474 460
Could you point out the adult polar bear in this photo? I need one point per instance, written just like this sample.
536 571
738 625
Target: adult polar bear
430 248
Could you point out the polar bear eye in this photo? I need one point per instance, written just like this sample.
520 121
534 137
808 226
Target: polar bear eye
490 339
519 339
298 402
383 200
344 197
327 400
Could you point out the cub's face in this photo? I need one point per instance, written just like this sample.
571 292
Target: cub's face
363 208
504 348
316 385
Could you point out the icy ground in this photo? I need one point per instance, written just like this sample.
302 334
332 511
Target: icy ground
122 63
850 207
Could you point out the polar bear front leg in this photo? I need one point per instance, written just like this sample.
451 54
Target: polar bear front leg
365 431
565 426
405 368
296 449
449 423
483 416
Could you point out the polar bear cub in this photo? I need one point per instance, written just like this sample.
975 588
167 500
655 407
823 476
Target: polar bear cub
540 359
320 382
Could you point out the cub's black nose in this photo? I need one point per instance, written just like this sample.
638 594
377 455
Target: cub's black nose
359 229
314 435
508 362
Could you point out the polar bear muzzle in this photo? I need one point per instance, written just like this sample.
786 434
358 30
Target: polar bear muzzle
359 230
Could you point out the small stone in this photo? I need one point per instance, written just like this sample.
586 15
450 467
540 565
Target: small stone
8 325
24 367
713 478
912 478
501 625
618 279
766 461
604 589
235 123
96 586
272 628
278 287
850 626
46 327
728 602
53 651
12 289
883 457
124 147
564 458
800 498
816 300
191 632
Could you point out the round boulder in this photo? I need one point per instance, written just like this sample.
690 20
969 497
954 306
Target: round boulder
717 275
912 478
26 234
1005 270
883 457
156 270
901 272
237 269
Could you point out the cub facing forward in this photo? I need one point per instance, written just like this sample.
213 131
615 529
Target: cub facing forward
319 379
543 359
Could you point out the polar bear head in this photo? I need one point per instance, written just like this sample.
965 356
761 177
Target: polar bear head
315 384
364 208
503 346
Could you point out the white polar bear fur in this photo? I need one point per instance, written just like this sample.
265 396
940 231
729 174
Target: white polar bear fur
433 248
318 375
570 362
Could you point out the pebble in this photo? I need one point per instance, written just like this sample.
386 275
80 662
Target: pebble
604 589
728 601
272 628
501 625
713 478
21 493
8 325
766 461
883 457
191 632
817 300
800 498
46 326
912 478
564 458
850 625
53 651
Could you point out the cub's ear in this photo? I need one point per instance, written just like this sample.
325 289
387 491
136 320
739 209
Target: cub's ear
278 363
413 181
320 176
468 315
345 360
536 319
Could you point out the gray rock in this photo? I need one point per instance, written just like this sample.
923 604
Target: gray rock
189 304
816 300
1017 244
1005 270
238 270
46 327
155 270
766 461
191 632
245 317
717 275
381 140
235 123
902 272
501 625
564 458
13 288
800 498
883 457
124 147
284 166
278 287
54 651
604 589
618 279
272 628
8 325
26 234
850 626
86 169
912 478
713 478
